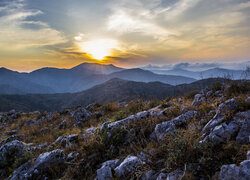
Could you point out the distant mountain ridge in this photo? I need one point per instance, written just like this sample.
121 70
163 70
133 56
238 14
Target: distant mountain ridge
210 73
79 78
110 91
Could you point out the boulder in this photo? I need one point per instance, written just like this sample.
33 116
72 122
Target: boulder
198 99
89 133
162 129
12 138
243 136
216 120
162 176
112 163
47 165
149 175
175 175
127 166
10 152
146 156
104 173
248 100
81 115
222 132
184 118
235 172
70 140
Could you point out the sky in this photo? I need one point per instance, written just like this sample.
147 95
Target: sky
126 33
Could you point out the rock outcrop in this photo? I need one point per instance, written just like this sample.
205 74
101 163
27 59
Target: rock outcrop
47 165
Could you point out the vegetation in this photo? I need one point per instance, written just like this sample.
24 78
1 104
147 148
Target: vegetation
182 149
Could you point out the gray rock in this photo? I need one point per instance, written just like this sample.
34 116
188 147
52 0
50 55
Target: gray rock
162 176
62 125
68 141
198 99
72 156
162 129
9 133
234 172
145 156
184 118
175 175
12 138
44 167
243 136
230 104
104 173
222 132
81 115
149 175
88 133
112 163
180 100
216 120
248 100
127 166
10 152
209 94
248 155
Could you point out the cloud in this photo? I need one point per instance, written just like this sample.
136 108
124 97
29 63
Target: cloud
199 66
195 66
123 23
13 34
183 29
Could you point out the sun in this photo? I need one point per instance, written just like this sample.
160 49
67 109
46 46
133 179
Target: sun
99 49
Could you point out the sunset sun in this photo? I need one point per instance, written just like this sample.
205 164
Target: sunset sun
99 49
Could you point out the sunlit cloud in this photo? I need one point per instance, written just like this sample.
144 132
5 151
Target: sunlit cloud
122 23
13 35
125 32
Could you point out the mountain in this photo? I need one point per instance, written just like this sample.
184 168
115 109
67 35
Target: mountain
110 91
210 73
76 79
95 68
20 81
7 89
141 75
81 77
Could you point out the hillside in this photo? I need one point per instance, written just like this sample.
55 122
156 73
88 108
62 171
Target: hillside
198 136
20 81
148 76
110 91
7 89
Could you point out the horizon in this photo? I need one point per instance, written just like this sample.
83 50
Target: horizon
195 67
63 34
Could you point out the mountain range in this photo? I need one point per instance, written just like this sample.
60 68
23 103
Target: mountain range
210 73
76 79
114 90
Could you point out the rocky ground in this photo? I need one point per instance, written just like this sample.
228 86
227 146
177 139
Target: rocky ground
203 135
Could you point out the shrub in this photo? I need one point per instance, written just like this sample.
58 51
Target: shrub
110 107
216 86
191 94
237 88
120 115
